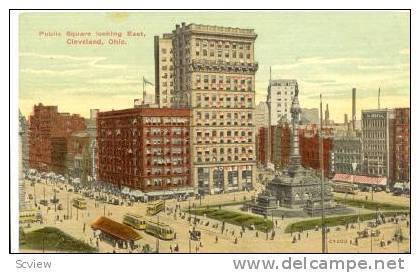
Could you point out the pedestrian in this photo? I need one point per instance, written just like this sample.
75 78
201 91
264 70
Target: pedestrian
170 248
276 223
256 234
236 240
307 234
282 217
241 233
217 239
299 236
84 227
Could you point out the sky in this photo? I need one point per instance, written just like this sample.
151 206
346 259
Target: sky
327 52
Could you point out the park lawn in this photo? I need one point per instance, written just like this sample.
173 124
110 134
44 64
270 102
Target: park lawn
52 239
235 218
335 221
372 205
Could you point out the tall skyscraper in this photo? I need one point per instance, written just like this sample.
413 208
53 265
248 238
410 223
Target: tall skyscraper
377 138
214 75
280 97
164 81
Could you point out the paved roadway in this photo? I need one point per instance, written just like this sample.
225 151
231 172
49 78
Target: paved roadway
338 240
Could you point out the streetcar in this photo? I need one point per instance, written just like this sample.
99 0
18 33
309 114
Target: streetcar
345 188
80 203
135 221
160 230
30 216
155 207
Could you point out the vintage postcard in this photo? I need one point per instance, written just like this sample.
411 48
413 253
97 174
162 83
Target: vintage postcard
214 132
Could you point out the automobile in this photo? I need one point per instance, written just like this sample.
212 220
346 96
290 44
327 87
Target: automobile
30 196
60 207
70 190
54 200
44 202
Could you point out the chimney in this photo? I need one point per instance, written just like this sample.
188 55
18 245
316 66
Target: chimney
353 111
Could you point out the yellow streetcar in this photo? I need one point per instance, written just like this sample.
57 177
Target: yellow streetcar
80 203
135 221
155 207
160 230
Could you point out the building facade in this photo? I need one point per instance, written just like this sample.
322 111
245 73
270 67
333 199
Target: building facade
309 116
310 147
164 71
402 145
146 149
49 133
280 97
281 138
347 150
214 75
261 115
378 138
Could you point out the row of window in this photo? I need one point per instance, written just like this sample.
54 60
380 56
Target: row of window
158 182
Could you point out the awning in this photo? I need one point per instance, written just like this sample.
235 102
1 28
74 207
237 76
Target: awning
115 229
136 193
360 179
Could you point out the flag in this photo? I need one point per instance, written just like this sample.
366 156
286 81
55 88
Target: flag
146 81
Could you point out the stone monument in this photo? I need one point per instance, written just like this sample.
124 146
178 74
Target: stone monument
297 190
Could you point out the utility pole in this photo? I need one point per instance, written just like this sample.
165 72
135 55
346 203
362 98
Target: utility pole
321 151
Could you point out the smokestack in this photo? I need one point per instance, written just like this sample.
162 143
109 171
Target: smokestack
379 98
353 110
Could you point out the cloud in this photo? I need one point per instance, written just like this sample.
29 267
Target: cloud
52 72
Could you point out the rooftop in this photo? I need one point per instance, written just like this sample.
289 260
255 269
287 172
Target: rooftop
115 229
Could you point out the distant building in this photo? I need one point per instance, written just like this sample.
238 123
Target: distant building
49 133
261 145
80 156
281 136
280 97
24 133
261 115
146 149
347 149
309 148
402 145
378 137
164 71
309 116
